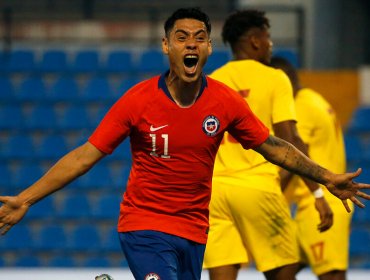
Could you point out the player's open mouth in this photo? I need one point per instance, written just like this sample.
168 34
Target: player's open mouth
191 63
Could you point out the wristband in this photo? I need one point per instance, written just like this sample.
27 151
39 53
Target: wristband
319 193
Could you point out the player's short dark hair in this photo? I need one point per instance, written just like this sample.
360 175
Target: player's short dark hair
240 22
192 13
281 62
285 65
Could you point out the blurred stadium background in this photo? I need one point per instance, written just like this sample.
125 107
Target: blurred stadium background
64 63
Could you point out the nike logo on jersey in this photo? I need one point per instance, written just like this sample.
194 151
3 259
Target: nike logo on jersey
152 128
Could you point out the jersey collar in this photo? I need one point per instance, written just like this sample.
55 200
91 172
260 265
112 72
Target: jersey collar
162 85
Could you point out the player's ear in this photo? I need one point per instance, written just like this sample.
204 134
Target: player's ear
165 45
255 42
210 49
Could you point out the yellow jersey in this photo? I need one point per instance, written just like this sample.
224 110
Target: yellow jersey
269 94
321 131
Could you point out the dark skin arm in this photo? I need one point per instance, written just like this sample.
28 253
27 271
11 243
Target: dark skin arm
67 169
287 130
285 155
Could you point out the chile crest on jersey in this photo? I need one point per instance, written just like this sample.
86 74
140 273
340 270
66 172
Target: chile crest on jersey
211 125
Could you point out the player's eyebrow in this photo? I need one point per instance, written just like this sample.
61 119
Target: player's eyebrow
189 33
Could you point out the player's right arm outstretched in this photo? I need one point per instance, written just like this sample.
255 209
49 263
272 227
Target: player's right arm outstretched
284 154
68 168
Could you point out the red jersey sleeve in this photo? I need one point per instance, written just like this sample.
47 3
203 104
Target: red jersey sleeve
115 126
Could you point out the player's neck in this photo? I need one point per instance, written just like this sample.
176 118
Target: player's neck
184 94
242 54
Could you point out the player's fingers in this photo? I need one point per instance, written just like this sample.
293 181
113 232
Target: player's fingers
327 224
4 218
3 199
5 229
356 173
353 175
362 186
345 204
357 202
363 195
326 221
324 226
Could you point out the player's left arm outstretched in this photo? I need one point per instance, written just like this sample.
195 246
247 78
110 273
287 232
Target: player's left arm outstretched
287 156
67 169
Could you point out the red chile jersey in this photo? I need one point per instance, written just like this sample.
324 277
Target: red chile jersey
173 152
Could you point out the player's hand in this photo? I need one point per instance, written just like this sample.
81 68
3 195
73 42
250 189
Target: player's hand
326 215
11 212
343 187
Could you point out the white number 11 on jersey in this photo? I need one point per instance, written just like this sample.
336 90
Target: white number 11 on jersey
154 145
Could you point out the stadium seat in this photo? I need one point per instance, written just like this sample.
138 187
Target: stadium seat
42 117
84 238
85 61
74 117
32 89
360 120
100 113
152 61
361 216
19 146
289 54
216 59
365 175
61 261
4 62
366 263
107 206
51 237
26 175
119 61
65 88
366 155
99 177
76 206
11 117
27 261
120 179
99 261
97 89
19 238
6 89
122 152
359 241
125 85
52 147
111 241
5 177
353 145
54 61
22 61
42 209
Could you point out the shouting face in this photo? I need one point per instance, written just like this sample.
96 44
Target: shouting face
188 46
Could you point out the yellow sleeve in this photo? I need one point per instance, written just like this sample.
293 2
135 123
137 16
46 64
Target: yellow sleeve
307 116
283 104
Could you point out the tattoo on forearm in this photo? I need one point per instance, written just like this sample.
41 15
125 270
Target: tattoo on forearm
304 166
295 161
286 155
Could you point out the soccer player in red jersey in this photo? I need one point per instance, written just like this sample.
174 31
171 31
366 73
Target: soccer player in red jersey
175 122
